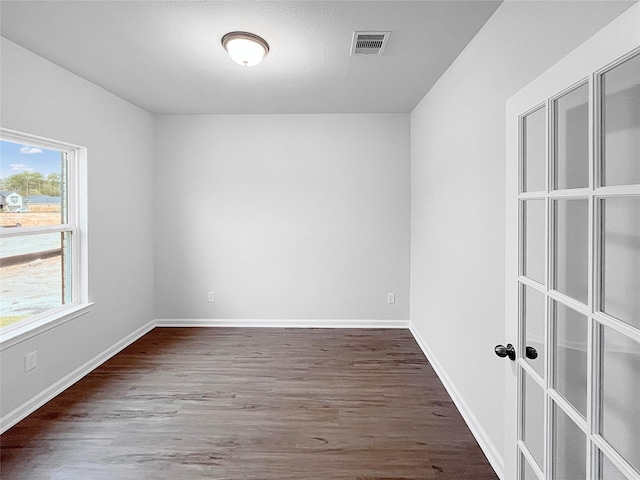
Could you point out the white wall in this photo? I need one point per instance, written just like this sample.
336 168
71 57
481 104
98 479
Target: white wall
283 216
457 193
43 99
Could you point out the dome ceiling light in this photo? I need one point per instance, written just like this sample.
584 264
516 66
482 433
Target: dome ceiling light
245 48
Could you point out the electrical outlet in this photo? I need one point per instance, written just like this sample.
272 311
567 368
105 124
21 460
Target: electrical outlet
211 296
30 361
391 298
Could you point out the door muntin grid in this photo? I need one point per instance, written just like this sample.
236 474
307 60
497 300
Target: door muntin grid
586 328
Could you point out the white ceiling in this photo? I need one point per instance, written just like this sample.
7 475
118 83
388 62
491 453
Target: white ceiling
166 57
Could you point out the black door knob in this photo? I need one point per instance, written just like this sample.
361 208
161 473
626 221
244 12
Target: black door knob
531 353
507 351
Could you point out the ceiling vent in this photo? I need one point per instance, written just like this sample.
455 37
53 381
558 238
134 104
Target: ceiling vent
369 43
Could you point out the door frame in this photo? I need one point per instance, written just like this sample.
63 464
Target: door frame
614 41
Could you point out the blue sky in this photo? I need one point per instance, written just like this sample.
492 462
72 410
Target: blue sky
18 158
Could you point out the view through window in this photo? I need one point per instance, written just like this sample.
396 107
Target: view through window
37 227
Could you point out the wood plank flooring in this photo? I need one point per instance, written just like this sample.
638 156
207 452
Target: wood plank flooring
231 403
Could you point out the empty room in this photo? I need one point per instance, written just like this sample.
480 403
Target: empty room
320 239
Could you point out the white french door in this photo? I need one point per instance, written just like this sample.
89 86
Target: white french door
573 269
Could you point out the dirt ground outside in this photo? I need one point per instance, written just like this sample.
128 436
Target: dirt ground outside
30 288
29 219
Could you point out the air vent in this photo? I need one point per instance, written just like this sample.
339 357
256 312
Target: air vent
369 43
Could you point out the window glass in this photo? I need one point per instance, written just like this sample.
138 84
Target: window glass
32 185
37 257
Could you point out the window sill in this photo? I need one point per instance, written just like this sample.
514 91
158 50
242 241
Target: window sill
22 332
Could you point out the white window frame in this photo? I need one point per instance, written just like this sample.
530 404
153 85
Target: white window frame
76 223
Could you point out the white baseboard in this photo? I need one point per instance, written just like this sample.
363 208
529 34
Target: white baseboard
31 405
275 323
487 446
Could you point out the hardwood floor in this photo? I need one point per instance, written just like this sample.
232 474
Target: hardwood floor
231 403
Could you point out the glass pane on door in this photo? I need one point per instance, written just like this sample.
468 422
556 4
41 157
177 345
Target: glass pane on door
621 258
608 471
621 394
571 255
569 448
534 320
571 128
621 124
534 239
527 470
534 144
533 418
570 356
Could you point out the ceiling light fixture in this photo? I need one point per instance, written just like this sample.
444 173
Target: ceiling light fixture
245 48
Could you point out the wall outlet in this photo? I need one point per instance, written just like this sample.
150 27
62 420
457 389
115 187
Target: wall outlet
30 361
391 298
211 296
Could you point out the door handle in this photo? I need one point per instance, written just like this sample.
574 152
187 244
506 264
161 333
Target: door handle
531 353
507 351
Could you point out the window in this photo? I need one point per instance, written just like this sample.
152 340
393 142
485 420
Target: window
42 232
